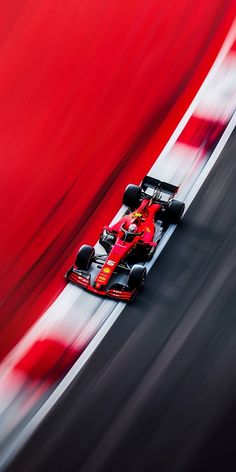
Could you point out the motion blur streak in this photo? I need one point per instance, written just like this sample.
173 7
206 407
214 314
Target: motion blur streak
87 89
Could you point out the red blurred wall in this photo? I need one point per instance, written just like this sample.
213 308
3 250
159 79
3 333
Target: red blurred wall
90 91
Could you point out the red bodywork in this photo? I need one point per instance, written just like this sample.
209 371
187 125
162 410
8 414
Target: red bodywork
144 218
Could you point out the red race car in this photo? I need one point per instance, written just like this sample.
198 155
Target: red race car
134 238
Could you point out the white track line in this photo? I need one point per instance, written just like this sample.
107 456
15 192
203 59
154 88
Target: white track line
192 107
211 162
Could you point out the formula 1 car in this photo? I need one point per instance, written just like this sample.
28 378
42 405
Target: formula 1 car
134 238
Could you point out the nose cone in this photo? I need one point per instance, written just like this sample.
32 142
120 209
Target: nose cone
104 275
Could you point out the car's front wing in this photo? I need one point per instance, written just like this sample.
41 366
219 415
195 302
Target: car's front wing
117 291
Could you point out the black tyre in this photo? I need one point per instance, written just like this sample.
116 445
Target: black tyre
84 257
137 277
174 211
132 196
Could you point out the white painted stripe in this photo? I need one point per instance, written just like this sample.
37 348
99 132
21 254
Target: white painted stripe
211 162
220 100
179 164
200 94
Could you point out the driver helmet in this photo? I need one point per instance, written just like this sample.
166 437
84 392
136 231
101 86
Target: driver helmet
132 228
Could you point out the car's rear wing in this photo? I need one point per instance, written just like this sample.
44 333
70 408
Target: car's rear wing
151 182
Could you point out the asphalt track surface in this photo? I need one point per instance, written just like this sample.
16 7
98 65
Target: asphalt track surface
159 393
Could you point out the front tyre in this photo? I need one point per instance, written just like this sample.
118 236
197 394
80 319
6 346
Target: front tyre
84 257
137 277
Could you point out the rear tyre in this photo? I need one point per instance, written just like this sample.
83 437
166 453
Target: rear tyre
84 257
132 196
137 277
174 211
